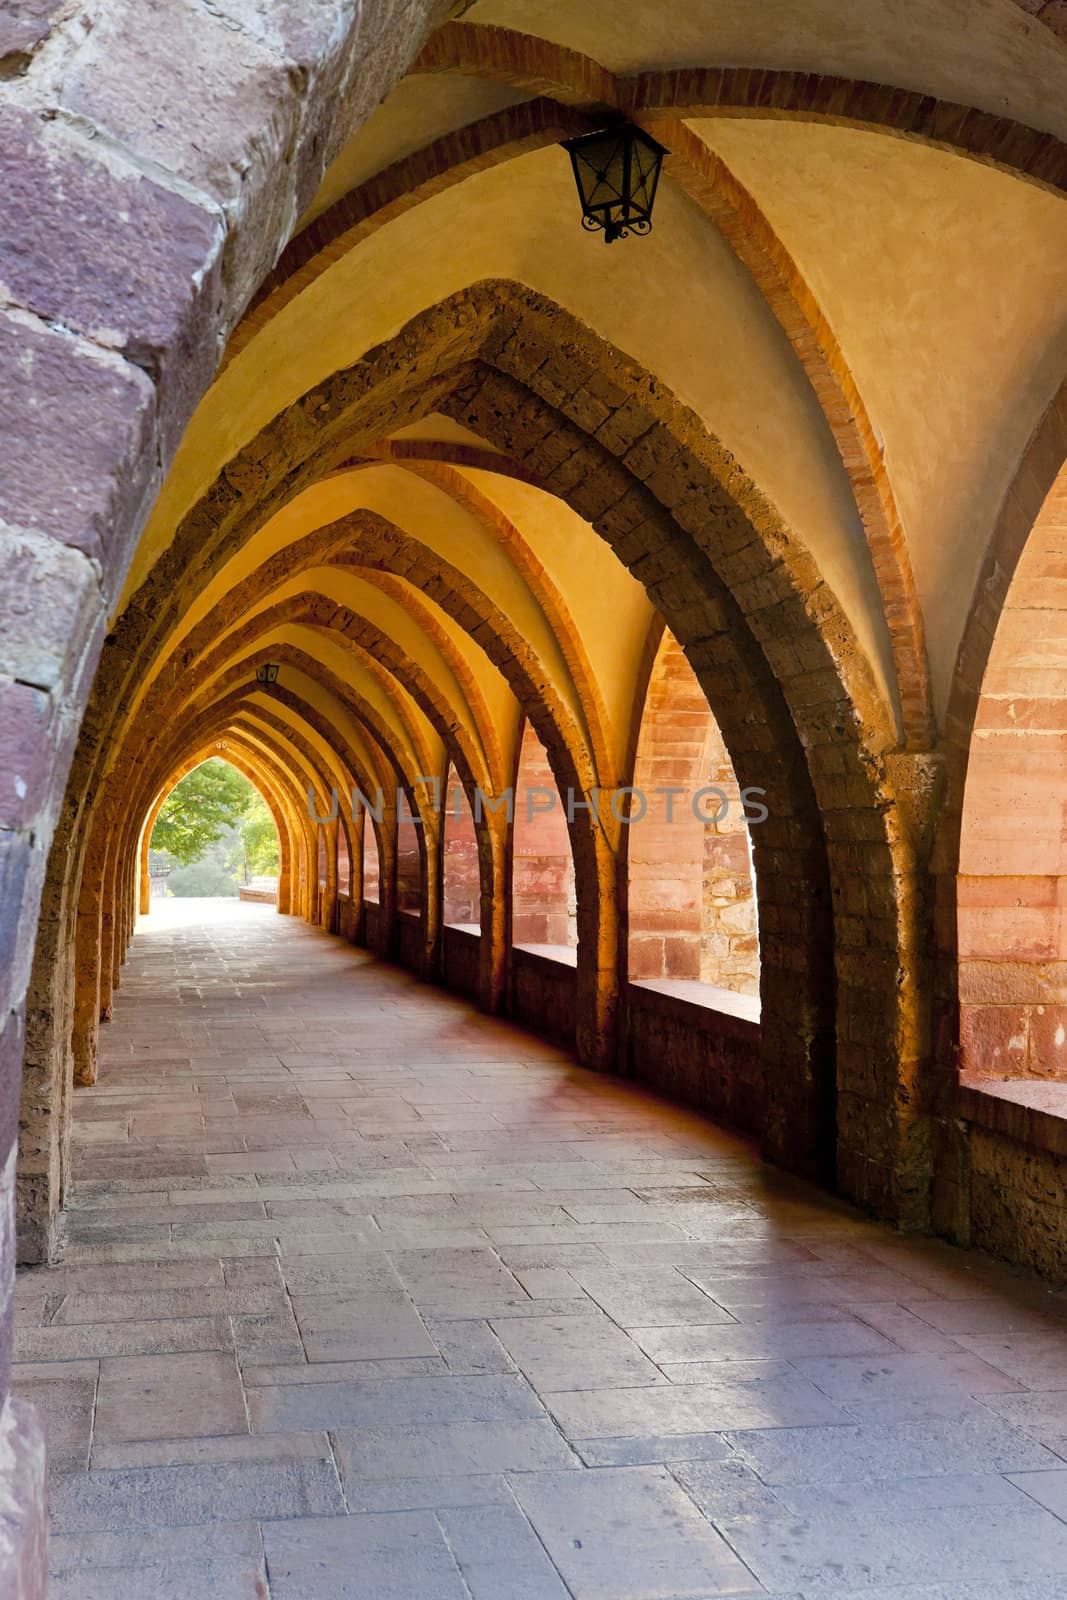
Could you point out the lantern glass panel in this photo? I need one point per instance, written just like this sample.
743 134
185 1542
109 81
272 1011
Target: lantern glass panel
616 171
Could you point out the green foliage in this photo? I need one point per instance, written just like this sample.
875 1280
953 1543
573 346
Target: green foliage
197 813
214 831
260 839
205 877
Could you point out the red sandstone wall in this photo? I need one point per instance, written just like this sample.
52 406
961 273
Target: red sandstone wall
1012 888
692 909
544 906
461 875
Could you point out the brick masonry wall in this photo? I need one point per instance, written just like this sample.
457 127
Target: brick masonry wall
544 906
461 865
691 898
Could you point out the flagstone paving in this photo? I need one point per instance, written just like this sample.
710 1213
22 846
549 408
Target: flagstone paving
369 1297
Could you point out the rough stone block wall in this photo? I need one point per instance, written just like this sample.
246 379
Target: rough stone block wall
460 961
153 160
544 996
1018 1202
409 943
696 1055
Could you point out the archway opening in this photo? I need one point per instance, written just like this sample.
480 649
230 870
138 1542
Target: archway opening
692 893
372 869
1012 884
544 905
461 868
214 837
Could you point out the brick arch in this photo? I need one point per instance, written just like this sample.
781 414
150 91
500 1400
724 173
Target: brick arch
375 548
711 185
326 545
691 900
489 515
764 632
244 762
526 62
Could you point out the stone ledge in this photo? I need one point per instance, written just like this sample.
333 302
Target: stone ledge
704 1004
1030 1111
563 955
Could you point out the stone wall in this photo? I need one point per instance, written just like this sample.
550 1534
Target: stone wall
153 161
696 1054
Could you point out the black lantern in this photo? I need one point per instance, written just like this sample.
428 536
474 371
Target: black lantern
616 171
267 672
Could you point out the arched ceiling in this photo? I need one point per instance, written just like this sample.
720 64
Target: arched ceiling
863 312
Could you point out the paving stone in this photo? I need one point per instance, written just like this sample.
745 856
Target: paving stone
469 1348
179 1495
1043 1415
499 1555
364 1327
243 1579
871 1452
121 1278
902 1494
821 1552
735 1342
56 1343
294 1407
574 1353
362 1557
71 1552
428 1493
268 1377
203 1448
722 1489
464 1448
463 1283
165 1303
852 1379
66 1405
651 1298
904 1328
639 1452
629 1533
758 1394
171 1396
1036 1363
795 1413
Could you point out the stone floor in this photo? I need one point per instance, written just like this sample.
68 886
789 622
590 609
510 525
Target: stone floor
367 1295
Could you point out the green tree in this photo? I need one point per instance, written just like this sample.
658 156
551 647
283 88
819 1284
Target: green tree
213 798
260 839
206 877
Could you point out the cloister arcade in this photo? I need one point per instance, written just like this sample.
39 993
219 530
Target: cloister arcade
310 364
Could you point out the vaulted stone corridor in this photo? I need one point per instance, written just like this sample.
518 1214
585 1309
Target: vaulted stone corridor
588 480
367 1294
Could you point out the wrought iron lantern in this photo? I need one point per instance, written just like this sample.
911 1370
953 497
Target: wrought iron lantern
616 170
267 672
